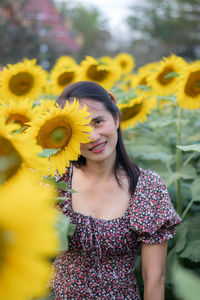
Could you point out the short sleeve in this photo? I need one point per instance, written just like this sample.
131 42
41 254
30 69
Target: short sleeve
152 214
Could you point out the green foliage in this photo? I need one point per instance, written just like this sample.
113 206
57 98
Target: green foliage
65 229
164 146
187 284
165 27
48 152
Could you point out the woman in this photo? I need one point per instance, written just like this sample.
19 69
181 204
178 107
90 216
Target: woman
119 209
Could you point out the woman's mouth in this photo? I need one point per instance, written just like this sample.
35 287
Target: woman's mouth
98 147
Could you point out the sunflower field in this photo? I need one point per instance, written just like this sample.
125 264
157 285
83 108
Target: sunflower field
160 119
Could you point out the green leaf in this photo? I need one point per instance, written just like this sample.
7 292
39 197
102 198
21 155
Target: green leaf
65 229
194 147
181 237
192 245
48 152
185 172
171 75
60 185
186 283
192 251
195 189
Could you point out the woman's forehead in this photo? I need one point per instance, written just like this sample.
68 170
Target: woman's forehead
92 105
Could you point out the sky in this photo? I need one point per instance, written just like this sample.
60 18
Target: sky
114 10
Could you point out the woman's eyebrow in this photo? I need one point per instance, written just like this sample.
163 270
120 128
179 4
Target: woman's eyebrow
96 118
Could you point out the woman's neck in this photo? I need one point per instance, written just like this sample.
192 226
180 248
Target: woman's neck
100 170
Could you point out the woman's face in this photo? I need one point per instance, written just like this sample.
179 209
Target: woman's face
104 137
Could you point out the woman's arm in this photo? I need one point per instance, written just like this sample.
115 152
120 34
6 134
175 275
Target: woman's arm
153 270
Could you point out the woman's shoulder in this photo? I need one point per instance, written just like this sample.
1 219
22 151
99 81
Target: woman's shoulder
149 176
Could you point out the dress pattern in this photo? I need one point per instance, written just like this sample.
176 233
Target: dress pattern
102 253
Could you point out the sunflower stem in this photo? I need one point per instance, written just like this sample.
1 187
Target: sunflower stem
178 161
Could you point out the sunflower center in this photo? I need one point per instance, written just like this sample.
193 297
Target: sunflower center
17 118
95 74
21 83
130 112
10 160
55 133
123 64
161 77
192 87
143 81
65 78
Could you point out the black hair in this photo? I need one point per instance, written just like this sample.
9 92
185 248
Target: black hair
94 91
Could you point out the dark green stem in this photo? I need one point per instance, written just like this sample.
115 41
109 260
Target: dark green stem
178 161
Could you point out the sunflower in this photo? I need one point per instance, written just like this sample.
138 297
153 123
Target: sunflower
18 151
98 71
165 79
61 77
65 61
18 112
62 129
22 80
125 62
188 92
27 237
136 110
140 78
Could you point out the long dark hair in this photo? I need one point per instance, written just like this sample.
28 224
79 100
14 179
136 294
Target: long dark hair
94 91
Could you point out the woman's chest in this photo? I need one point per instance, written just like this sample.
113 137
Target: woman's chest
102 202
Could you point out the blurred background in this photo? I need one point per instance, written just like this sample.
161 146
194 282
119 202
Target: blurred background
147 29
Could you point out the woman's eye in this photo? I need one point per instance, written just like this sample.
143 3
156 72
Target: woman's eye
98 121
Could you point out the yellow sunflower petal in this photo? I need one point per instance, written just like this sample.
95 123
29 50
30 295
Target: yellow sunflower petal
27 237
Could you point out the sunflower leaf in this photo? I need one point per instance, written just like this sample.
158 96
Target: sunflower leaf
48 152
171 75
185 281
194 147
195 189
58 184
65 229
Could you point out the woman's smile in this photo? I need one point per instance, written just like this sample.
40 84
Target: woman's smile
98 147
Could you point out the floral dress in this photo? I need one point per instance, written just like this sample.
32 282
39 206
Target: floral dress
102 253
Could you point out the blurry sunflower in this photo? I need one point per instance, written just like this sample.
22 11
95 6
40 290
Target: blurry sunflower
18 151
65 61
107 60
22 80
98 71
142 75
61 77
166 77
18 112
62 129
188 92
125 62
27 236
136 110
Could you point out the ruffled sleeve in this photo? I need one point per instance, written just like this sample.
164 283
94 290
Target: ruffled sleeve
152 214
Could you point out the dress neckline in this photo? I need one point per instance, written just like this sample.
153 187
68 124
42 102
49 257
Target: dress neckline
126 214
